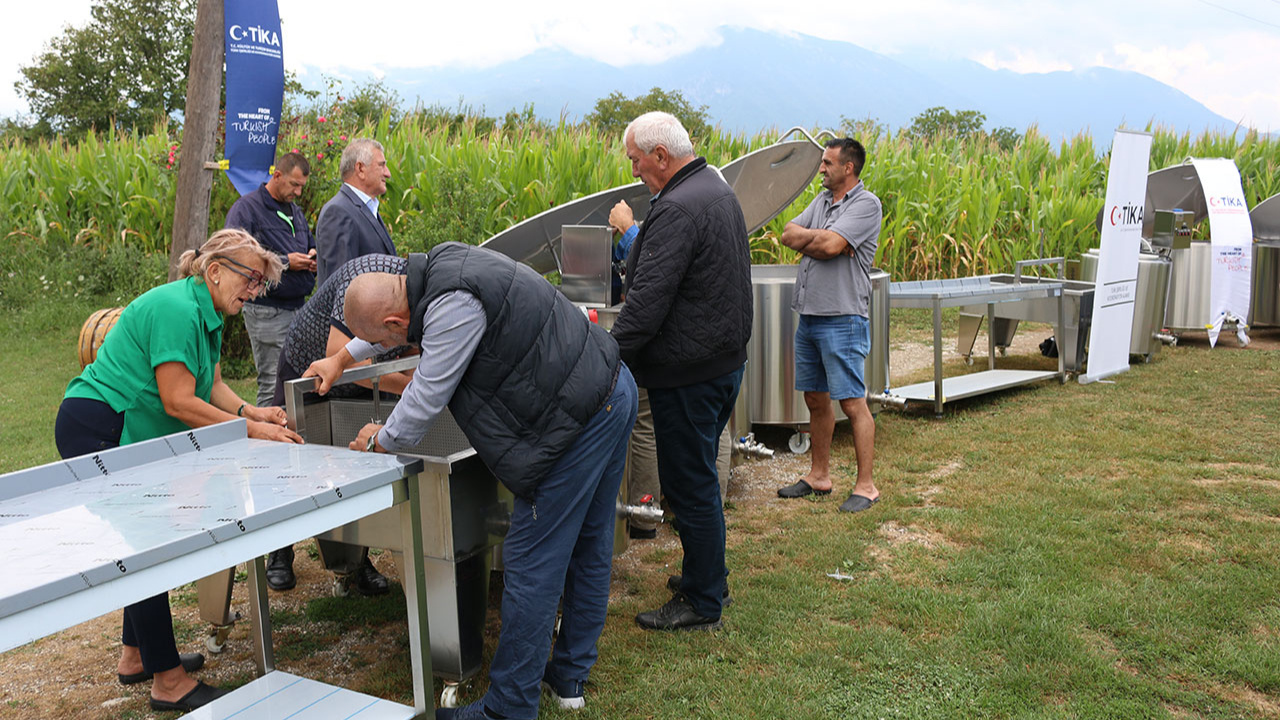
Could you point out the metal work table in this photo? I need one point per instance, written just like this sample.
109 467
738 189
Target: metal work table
937 294
94 533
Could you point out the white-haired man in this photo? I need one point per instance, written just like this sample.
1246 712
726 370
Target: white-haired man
349 225
683 331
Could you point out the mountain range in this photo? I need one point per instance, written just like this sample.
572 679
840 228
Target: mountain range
754 80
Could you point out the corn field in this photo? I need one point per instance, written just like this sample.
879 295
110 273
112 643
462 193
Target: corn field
952 206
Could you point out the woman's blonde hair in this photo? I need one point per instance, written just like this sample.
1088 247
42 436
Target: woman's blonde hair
233 243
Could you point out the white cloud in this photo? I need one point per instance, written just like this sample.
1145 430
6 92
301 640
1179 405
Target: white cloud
1232 74
1226 62
1022 62
25 33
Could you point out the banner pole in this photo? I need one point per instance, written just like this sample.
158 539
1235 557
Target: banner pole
199 130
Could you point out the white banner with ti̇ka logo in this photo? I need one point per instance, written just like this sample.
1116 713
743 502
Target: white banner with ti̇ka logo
1230 277
1115 288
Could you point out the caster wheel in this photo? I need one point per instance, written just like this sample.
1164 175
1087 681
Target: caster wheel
339 587
449 696
216 641
968 359
799 443
1004 351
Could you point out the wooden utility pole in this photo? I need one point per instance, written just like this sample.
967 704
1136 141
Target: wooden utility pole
200 127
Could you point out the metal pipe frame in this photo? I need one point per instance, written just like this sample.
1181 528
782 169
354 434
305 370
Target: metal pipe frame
295 389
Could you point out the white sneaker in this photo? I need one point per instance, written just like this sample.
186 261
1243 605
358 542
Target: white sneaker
567 701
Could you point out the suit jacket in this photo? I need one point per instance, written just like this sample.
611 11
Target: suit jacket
346 230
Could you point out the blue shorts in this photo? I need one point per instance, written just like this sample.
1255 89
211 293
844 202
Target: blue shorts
831 352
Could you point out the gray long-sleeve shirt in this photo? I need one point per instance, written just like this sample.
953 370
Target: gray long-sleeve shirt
451 331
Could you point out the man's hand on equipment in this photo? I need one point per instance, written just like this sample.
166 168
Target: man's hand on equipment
328 370
621 218
367 439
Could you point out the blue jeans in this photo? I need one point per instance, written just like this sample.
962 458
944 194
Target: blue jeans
559 550
831 355
687 423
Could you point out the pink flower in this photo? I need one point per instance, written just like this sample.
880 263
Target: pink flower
330 143
319 156
304 137
320 119
296 150
342 138
173 147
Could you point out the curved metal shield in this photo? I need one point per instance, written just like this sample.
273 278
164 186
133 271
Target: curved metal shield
1176 187
1265 217
766 182
536 241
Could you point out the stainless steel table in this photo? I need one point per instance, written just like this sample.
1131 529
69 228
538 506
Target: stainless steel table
937 294
91 534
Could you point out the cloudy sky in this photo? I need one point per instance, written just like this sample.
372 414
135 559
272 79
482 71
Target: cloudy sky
1223 53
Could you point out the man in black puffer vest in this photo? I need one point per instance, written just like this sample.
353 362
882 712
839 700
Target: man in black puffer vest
684 331
548 405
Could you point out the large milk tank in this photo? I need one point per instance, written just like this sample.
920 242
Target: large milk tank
770 377
1151 296
1265 309
1265 218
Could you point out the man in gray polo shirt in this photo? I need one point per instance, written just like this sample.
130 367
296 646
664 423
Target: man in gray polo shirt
837 234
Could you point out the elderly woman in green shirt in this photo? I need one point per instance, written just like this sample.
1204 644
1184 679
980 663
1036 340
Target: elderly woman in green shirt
157 373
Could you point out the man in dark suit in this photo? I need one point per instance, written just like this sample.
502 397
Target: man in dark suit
349 225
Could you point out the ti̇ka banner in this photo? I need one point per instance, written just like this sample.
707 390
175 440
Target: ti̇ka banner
1231 233
1115 289
255 90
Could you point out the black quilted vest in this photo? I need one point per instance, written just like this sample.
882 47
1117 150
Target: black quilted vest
540 372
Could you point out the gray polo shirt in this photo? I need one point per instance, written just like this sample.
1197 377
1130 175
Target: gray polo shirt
841 285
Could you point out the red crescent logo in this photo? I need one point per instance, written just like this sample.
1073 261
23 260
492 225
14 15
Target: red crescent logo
1213 202
1113 214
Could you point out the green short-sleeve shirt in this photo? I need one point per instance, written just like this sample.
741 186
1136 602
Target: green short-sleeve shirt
175 322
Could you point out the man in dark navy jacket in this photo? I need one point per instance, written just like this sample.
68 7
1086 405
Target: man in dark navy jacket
272 217
683 331
349 225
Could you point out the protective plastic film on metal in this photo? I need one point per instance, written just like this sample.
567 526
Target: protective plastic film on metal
84 522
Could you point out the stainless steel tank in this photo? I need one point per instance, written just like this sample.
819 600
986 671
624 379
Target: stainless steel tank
1152 293
770 378
1265 308
1189 306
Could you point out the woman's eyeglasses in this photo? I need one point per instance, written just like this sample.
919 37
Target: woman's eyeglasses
257 280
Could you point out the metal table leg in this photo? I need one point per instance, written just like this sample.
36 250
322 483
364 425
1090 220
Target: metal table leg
260 616
937 358
415 593
991 336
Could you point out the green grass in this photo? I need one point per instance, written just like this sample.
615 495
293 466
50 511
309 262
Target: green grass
38 357
1060 551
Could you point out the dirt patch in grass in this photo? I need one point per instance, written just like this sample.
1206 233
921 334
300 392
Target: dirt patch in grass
909 359
1260 338
944 471
1104 646
1266 705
